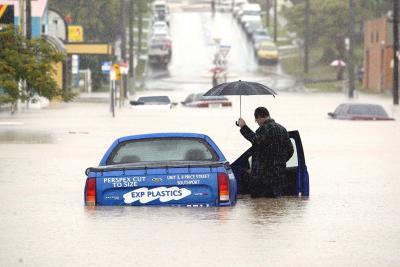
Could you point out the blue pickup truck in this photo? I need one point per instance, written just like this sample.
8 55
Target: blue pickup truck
176 169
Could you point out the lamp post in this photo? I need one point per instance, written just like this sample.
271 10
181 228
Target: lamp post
350 67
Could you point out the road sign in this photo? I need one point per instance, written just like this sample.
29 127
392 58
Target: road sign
224 50
106 67
124 67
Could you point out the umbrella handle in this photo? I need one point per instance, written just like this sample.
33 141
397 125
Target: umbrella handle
240 106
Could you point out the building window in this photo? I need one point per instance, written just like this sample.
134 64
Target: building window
377 37
372 37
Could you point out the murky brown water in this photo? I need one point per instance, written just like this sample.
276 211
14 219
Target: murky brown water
351 217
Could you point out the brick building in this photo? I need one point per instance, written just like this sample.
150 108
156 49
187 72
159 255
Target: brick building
378 55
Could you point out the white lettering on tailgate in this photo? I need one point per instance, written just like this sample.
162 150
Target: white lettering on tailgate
164 194
124 181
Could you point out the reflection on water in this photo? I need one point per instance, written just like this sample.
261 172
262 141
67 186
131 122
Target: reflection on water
25 137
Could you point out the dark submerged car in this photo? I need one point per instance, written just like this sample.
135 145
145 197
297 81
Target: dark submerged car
356 111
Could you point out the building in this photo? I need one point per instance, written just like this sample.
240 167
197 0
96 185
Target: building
378 55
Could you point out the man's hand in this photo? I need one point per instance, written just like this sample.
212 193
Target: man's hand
241 122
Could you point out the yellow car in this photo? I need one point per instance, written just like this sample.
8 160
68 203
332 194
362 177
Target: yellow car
267 52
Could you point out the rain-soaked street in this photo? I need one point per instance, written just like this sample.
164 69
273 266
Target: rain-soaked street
350 219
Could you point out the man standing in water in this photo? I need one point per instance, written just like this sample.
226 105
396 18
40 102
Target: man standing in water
271 150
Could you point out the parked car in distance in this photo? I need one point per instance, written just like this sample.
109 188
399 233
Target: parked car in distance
267 52
161 11
200 101
251 24
160 27
224 5
259 35
167 169
359 111
237 7
152 102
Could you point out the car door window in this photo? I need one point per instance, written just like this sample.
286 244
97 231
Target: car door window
293 161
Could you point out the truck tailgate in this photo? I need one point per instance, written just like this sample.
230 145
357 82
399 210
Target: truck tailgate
158 186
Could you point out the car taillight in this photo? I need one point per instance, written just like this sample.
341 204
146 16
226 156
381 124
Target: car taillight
90 194
202 105
223 185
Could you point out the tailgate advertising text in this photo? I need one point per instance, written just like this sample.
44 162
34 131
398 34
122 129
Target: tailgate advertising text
164 194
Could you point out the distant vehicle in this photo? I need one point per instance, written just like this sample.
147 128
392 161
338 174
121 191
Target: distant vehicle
252 9
259 35
163 169
200 101
152 102
267 52
237 6
251 24
224 5
161 11
160 50
355 111
160 27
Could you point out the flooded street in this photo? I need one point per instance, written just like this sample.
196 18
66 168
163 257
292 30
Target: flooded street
350 219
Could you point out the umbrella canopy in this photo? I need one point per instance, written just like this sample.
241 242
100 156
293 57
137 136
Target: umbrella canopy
240 88
338 63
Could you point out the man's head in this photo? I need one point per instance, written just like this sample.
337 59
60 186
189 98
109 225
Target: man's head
261 114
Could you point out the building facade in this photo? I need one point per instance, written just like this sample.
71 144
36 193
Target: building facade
378 55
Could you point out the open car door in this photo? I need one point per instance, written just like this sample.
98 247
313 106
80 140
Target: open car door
297 183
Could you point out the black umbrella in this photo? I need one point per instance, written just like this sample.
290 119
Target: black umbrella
240 88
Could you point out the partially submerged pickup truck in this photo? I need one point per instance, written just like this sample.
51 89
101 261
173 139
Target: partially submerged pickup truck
175 169
178 169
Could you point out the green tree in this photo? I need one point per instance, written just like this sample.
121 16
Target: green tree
329 23
30 61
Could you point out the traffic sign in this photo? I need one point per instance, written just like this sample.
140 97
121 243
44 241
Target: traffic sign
106 67
224 50
124 67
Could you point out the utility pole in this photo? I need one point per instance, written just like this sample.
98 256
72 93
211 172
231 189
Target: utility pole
131 55
123 82
267 7
395 52
306 34
140 25
275 21
351 56
28 20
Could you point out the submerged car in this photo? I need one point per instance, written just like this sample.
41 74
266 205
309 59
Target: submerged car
152 102
200 101
357 111
178 169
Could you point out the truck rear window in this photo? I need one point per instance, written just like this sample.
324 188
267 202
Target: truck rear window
162 149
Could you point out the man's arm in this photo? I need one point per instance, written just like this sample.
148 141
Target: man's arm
255 138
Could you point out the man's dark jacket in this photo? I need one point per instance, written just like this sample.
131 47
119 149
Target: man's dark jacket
271 148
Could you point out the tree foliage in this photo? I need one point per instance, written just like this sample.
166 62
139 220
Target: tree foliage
28 61
99 18
329 22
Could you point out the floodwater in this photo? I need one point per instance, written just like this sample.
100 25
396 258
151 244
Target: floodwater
350 219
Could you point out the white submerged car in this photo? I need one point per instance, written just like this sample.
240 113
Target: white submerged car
152 102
